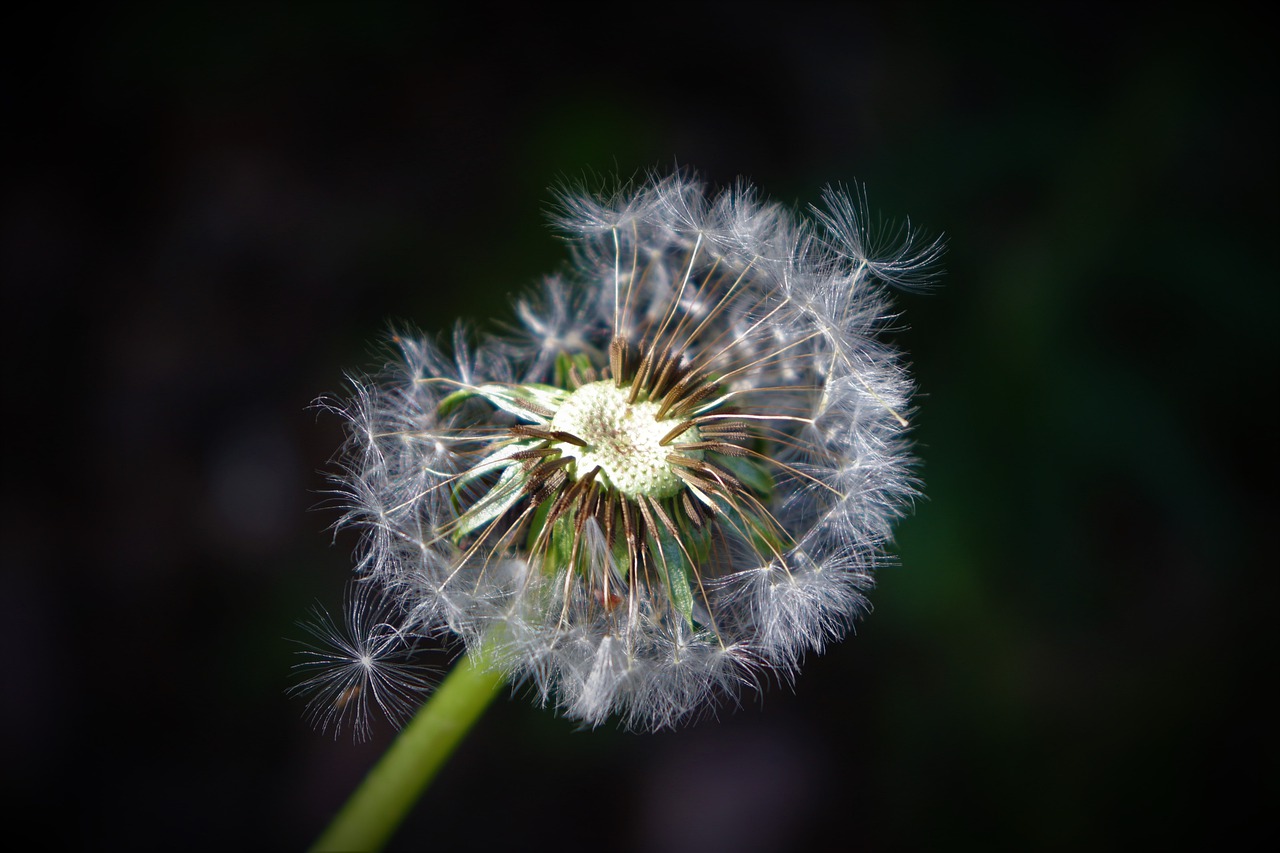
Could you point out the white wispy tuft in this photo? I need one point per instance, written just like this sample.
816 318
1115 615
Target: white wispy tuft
365 660
675 571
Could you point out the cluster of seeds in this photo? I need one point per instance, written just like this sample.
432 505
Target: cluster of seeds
676 474
630 460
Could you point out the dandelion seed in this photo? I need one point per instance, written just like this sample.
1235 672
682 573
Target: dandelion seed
675 477
365 660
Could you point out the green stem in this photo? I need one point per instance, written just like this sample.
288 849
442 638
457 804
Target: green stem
394 784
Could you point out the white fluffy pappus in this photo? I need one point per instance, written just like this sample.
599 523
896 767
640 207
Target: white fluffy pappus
363 661
672 477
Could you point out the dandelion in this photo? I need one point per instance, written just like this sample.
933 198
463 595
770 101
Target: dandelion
674 477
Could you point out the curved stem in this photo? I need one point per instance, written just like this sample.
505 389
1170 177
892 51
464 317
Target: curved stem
372 814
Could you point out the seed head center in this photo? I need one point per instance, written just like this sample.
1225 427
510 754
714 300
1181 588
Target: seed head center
623 440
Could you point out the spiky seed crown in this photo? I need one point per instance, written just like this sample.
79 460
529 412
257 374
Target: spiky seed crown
678 472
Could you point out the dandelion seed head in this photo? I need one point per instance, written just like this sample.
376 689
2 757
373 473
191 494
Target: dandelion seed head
675 472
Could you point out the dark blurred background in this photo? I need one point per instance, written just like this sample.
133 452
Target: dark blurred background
211 212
